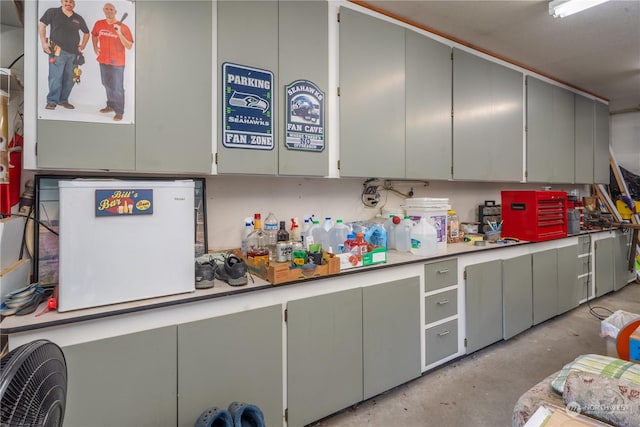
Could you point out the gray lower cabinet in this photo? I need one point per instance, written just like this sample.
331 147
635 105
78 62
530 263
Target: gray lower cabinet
228 358
569 287
545 285
372 96
350 345
128 380
483 305
428 108
517 296
603 263
550 132
324 355
487 119
621 252
390 334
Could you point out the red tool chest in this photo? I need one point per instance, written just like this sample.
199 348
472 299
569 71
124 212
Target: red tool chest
534 215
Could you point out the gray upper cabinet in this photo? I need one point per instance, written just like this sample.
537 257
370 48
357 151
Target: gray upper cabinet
247 36
601 145
428 108
550 132
303 57
584 139
172 127
487 119
173 108
372 96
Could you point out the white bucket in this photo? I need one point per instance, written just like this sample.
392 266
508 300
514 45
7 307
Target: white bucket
437 216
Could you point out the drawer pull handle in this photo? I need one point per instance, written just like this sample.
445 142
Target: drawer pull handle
446 270
443 333
443 302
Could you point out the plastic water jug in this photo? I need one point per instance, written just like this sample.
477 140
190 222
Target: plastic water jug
403 235
424 238
337 236
320 235
390 226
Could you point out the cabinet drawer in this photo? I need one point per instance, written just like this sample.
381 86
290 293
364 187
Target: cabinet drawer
440 274
584 245
583 265
440 306
441 341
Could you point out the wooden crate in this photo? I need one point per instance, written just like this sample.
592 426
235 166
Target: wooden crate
282 272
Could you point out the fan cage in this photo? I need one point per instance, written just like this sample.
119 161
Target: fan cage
33 385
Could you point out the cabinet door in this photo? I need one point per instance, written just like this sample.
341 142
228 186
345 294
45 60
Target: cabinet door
247 36
517 297
568 285
487 119
483 305
604 271
545 285
324 355
584 138
428 108
601 145
372 96
227 358
173 102
550 132
390 334
622 247
128 380
303 49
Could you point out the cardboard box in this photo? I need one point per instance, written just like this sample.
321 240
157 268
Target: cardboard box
377 256
282 272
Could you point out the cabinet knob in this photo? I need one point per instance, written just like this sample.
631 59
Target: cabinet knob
443 333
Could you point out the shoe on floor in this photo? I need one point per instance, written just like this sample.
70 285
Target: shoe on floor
214 417
232 270
246 415
50 106
106 110
67 105
117 117
205 273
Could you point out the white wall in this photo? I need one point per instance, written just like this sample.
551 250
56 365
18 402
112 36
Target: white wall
230 199
625 140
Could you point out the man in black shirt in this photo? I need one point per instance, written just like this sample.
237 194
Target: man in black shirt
62 47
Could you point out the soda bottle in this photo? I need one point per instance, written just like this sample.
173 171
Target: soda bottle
283 234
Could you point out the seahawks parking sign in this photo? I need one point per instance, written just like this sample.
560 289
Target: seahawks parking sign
305 116
247 110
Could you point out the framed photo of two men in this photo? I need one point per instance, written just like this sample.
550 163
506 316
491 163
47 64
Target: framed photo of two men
86 61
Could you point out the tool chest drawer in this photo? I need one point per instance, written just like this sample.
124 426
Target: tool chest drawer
440 274
441 341
440 306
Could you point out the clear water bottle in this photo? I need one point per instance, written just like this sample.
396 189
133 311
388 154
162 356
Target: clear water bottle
403 235
248 228
424 238
337 236
271 230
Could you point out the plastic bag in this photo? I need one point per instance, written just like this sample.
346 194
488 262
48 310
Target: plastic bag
611 326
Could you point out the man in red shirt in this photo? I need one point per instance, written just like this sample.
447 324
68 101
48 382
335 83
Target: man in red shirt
110 38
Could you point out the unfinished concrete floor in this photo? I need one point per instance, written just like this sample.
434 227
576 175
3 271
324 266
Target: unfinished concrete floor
481 389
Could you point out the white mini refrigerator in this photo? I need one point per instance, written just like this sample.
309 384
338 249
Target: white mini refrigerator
124 241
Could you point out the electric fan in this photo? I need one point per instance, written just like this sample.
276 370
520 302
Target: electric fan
33 385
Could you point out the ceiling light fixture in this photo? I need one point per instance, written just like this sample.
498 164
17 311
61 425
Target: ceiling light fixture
563 8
